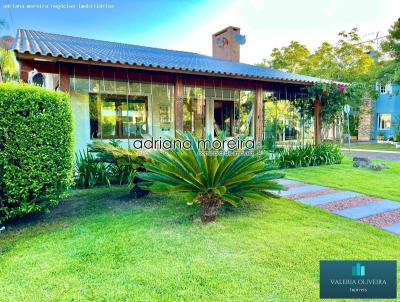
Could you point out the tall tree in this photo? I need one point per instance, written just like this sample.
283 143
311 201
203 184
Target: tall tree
347 60
388 70
392 43
291 58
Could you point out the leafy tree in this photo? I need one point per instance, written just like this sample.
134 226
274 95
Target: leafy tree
388 71
8 66
346 61
292 58
322 62
392 43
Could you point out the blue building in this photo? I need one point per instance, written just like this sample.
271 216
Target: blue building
386 113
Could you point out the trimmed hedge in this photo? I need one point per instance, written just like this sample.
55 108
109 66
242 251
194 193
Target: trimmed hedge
36 149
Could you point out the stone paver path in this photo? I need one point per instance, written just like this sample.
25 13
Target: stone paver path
377 212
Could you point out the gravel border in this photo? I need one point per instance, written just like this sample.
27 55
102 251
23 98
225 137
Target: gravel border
312 194
347 203
289 186
383 219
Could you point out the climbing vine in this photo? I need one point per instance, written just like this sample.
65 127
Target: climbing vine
333 97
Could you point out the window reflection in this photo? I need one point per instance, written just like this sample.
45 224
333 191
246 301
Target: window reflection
116 116
194 114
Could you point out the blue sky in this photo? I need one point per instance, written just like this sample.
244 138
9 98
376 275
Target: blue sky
188 24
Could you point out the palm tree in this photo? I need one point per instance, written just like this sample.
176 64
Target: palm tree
209 180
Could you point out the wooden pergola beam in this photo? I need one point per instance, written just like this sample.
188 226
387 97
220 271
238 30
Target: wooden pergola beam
317 120
64 78
258 115
24 70
48 60
178 104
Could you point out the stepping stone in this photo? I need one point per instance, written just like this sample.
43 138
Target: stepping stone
303 189
369 209
393 228
285 182
328 198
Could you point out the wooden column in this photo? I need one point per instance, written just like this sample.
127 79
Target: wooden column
24 71
258 115
317 120
178 104
64 78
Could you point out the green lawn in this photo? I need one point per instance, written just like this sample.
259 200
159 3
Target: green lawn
384 184
381 147
99 246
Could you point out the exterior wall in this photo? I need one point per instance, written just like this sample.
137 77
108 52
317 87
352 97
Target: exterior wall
387 103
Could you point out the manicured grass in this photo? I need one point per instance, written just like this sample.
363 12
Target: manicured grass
98 246
384 184
381 147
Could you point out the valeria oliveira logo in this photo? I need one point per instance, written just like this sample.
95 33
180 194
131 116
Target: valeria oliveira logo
218 147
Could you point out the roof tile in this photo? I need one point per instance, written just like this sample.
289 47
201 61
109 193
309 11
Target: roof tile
35 42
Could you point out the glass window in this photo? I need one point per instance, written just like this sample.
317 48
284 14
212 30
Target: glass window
381 88
244 112
194 111
79 84
161 107
384 121
224 117
116 116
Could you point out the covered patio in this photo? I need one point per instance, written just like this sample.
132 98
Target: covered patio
127 92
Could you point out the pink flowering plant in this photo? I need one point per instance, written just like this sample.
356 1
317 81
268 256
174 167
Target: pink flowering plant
333 97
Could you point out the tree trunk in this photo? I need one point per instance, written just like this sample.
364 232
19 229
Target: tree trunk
136 191
210 204
317 120
209 212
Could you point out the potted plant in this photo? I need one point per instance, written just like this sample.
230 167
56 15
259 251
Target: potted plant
381 136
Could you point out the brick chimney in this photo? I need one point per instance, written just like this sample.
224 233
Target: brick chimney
225 44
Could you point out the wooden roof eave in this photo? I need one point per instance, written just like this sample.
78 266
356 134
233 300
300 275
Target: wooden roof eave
28 56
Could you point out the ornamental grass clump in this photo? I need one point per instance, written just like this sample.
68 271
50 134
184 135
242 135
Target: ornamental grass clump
122 164
309 155
209 180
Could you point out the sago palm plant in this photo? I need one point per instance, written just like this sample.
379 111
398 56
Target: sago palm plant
208 179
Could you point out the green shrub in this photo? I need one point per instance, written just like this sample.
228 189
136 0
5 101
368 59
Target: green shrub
309 155
123 163
397 134
36 144
207 179
89 172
